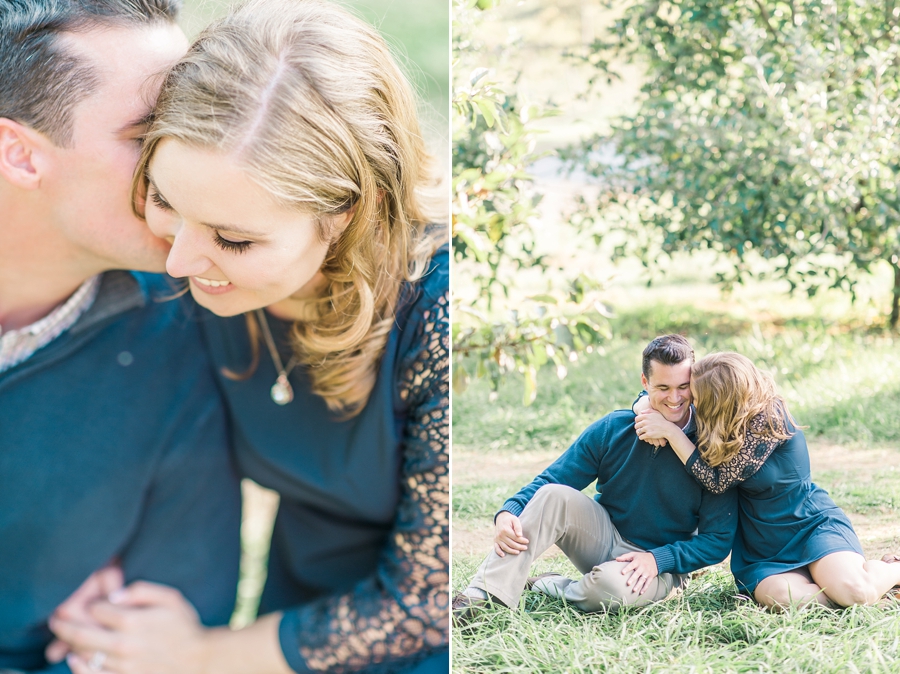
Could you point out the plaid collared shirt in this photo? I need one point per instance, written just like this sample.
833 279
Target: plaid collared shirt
18 345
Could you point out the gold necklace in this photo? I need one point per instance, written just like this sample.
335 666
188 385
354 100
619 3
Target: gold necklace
281 390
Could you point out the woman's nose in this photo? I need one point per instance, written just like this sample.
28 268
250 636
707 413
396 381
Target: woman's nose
186 257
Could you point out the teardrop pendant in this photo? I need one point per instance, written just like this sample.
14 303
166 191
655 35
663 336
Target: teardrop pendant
281 391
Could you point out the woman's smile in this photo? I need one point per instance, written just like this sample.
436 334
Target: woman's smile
211 286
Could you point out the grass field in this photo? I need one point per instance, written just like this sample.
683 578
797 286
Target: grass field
840 379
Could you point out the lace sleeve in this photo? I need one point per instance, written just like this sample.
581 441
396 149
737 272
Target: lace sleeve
401 613
757 447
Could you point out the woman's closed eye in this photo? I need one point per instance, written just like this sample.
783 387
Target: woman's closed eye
232 246
223 243
158 200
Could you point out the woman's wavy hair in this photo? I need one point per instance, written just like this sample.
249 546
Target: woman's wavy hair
729 390
309 101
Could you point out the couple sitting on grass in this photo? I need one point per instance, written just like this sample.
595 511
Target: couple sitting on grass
678 486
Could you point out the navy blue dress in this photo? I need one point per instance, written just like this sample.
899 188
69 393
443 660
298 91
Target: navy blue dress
360 550
785 521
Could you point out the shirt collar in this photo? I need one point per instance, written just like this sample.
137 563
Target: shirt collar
690 426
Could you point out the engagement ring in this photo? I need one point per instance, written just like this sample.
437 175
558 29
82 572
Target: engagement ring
95 664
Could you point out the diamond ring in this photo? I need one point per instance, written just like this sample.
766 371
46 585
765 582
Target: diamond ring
98 659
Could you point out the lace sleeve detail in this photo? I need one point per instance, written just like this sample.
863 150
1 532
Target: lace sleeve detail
757 447
401 613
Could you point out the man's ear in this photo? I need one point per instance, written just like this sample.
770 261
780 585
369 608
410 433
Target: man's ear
21 149
644 382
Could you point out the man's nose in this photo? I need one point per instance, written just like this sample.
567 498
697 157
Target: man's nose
186 257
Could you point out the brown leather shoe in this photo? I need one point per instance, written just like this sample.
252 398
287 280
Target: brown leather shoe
465 608
890 558
533 579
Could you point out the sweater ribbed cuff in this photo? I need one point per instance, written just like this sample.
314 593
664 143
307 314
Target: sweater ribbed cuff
665 560
511 507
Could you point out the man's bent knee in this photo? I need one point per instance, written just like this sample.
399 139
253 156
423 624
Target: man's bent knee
551 497
606 588
555 492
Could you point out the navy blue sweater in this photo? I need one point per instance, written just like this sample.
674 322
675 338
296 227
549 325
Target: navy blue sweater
650 498
360 556
113 444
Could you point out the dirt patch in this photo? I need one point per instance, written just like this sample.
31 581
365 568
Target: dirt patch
477 542
828 457
878 534
469 468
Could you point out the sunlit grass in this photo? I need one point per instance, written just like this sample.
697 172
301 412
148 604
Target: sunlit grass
708 628
840 380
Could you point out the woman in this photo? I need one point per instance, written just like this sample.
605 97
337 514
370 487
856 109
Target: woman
793 545
285 165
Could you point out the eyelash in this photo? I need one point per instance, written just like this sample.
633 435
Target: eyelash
232 246
159 201
224 244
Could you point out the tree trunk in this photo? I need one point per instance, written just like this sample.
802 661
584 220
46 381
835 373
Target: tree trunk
895 304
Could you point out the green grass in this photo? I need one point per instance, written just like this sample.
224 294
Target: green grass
866 495
481 500
708 628
840 379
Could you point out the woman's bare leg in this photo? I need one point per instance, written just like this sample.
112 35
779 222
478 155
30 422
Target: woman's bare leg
793 588
849 578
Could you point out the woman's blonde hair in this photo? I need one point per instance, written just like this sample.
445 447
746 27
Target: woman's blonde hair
308 100
729 391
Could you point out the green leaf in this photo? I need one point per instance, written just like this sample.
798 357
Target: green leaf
487 111
472 239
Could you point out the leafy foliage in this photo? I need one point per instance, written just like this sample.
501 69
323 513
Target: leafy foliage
494 209
767 129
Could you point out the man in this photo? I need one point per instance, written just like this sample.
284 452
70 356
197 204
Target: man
649 525
112 435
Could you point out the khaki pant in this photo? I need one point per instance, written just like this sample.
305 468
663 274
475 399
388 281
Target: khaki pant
582 529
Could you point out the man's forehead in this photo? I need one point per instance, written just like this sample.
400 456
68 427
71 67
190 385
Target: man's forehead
670 375
129 63
125 54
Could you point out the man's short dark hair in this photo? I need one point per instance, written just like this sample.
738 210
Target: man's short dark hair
666 350
39 82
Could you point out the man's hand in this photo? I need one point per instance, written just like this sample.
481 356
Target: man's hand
143 629
508 535
98 586
653 428
642 567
